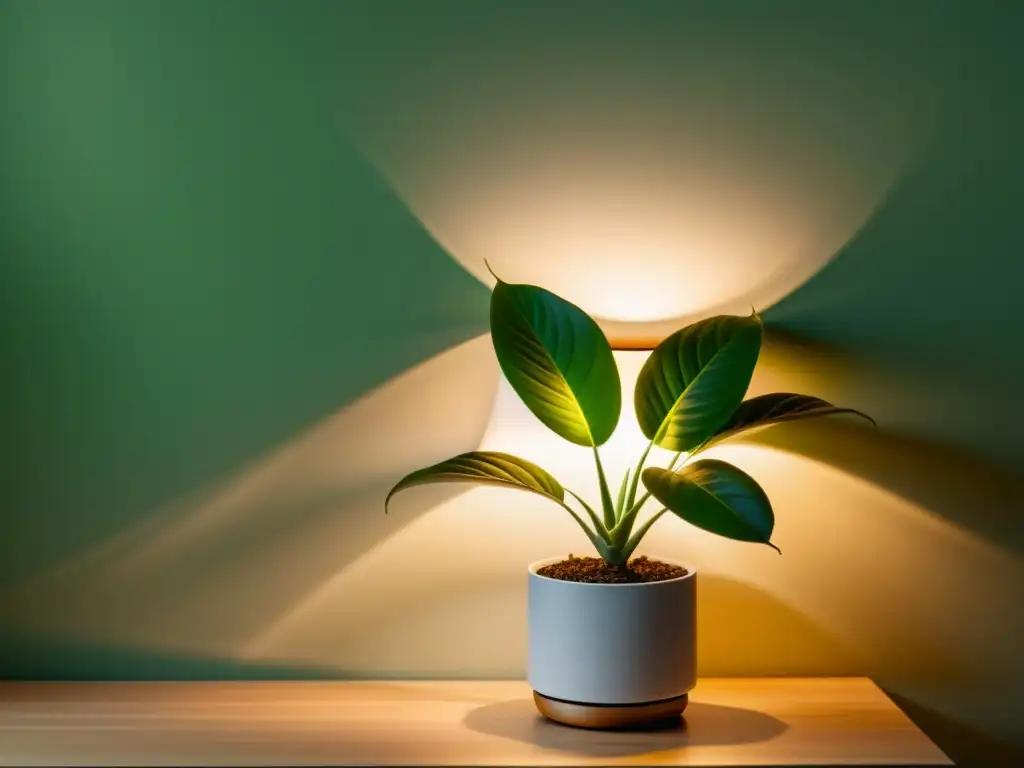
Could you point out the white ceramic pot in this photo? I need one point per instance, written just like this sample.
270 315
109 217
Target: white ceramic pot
612 643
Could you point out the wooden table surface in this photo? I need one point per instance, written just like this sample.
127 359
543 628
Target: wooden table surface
734 721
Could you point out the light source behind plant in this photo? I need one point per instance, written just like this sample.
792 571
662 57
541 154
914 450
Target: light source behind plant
688 397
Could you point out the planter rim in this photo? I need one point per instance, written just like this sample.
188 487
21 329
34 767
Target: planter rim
691 572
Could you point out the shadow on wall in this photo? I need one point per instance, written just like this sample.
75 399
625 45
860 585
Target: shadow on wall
34 656
196 265
916 321
262 541
946 478
744 630
971 494
930 604
964 745
91 617
481 609
975 497
925 299
158 337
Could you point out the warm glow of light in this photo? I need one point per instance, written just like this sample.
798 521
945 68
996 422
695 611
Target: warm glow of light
454 579
870 582
638 244
646 208
514 429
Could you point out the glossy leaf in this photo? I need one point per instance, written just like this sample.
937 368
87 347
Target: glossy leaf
486 467
778 407
558 361
695 379
716 497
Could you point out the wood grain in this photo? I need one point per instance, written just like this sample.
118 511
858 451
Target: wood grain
734 721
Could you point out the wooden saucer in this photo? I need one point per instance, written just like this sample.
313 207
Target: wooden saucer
611 716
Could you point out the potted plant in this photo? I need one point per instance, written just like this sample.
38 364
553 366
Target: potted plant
612 639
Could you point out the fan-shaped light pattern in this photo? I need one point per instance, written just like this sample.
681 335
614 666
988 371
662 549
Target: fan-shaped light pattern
706 164
200 576
430 581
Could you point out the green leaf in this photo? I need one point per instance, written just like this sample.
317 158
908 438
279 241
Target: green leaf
623 489
778 407
695 379
489 468
504 469
558 361
716 497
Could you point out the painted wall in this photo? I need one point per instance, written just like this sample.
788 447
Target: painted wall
236 305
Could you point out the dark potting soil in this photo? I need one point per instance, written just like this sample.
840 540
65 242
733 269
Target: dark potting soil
594 570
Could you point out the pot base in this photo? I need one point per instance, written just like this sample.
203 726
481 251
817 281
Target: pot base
611 716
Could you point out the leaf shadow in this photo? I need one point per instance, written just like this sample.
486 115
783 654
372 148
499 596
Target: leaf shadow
960 488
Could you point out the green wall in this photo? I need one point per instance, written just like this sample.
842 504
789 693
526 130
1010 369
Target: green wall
197 261
196 265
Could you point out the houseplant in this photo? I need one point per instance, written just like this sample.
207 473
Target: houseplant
612 639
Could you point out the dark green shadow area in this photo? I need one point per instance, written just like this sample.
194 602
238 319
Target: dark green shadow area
195 263
30 657
963 745
926 299
916 321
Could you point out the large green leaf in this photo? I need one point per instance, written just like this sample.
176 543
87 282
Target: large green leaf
717 497
778 407
488 467
558 361
695 379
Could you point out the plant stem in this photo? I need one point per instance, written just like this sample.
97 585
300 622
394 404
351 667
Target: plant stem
598 525
635 539
615 558
636 476
620 532
625 524
620 504
602 547
707 443
606 496
672 464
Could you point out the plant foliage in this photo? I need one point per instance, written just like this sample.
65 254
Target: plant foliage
688 396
